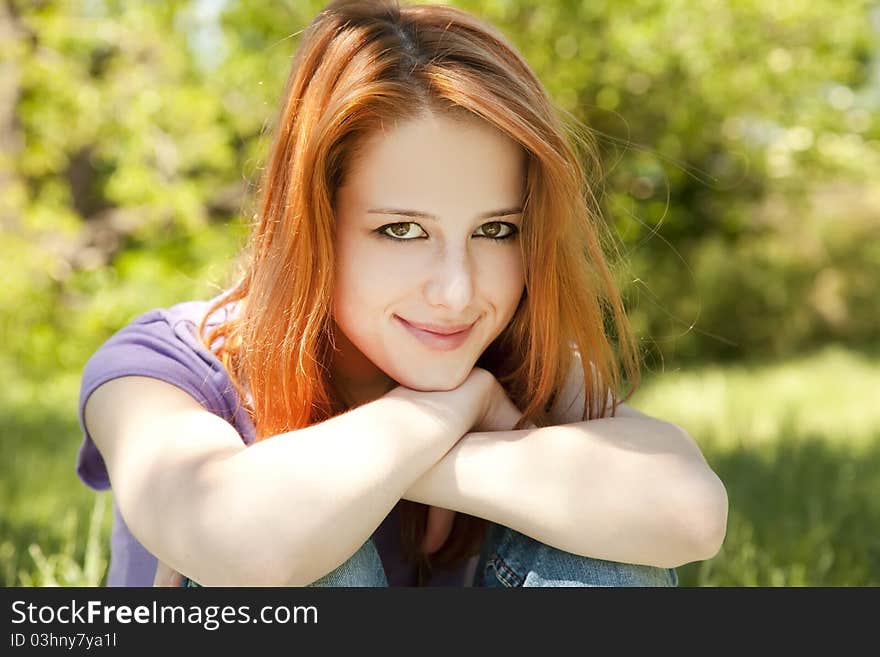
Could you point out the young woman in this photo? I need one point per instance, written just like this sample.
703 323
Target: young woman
415 379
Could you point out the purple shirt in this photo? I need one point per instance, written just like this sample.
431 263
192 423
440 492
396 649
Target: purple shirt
161 344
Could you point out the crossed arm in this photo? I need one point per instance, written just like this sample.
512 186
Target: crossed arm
630 488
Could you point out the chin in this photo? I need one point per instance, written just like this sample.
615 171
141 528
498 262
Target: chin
437 383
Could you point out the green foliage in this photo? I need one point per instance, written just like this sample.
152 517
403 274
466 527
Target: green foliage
741 166
739 142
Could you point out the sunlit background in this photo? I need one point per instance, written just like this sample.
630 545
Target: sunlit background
741 173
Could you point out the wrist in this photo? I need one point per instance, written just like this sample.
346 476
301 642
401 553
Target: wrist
439 407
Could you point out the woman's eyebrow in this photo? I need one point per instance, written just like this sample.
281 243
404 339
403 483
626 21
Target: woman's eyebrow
425 215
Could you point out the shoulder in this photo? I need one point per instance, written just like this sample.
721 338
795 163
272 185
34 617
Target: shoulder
162 343
157 347
569 405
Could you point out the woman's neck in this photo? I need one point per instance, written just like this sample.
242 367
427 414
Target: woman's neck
353 376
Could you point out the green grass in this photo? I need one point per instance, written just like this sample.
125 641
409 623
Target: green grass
797 444
53 529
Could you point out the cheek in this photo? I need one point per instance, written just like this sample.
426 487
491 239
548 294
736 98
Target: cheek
367 277
504 280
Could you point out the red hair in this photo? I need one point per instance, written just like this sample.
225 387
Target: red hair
364 63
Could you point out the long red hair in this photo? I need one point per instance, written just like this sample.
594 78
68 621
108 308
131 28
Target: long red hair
362 63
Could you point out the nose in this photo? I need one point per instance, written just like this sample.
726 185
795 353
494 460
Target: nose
450 281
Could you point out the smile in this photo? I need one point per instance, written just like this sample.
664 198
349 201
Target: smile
437 341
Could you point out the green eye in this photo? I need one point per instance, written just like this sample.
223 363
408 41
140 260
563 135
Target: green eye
495 231
400 231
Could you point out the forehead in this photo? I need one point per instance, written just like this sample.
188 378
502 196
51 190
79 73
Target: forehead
437 162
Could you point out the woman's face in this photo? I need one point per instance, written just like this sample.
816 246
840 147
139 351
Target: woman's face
428 224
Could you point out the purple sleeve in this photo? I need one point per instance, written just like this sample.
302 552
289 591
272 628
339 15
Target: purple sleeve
159 345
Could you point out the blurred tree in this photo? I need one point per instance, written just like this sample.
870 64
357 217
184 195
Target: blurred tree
739 141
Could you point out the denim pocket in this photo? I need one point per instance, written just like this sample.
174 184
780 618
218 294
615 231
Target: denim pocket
518 560
504 574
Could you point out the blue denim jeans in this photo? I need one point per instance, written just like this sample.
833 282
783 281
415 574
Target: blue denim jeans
509 559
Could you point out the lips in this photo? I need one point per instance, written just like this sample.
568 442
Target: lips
438 328
451 338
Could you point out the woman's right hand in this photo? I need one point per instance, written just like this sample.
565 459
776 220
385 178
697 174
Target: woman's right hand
497 412
479 403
